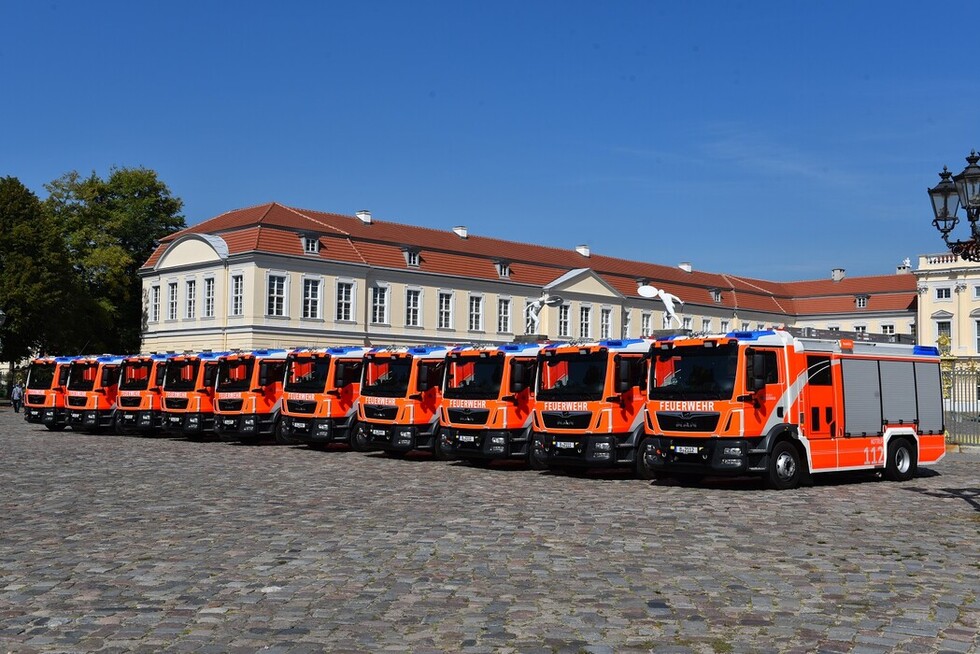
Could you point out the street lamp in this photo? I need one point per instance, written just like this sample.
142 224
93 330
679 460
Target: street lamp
947 196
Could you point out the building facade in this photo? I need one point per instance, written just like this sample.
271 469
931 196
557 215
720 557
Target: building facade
275 276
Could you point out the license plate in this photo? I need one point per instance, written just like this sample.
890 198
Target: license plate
565 445
379 432
76 415
175 419
230 422
687 449
467 439
299 425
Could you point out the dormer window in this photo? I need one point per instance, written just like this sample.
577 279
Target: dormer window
861 301
413 257
503 269
311 245
715 295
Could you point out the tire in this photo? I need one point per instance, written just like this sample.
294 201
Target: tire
438 451
55 427
535 454
643 470
281 437
901 463
785 468
358 439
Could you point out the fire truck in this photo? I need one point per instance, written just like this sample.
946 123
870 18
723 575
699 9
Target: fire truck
248 394
401 392
589 403
188 393
784 407
488 400
44 397
320 395
93 383
139 405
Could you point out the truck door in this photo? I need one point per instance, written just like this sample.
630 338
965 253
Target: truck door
766 389
818 421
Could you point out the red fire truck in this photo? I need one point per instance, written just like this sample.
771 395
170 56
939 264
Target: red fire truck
44 397
589 402
248 394
140 401
783 407
188 393
320 395
401 392
93 383
488 400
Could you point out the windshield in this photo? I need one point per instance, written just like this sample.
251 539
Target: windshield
386 377
181 375
306 374
82 376
474 378
694 372
572 377
234 375
135 375
40 375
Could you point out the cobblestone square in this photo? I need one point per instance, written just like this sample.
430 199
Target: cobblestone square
123 544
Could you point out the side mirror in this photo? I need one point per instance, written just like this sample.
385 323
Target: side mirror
422 385
339 372
623 369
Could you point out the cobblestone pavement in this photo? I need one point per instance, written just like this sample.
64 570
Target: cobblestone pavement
113 544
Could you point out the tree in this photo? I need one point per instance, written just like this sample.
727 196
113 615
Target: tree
37 286
110 229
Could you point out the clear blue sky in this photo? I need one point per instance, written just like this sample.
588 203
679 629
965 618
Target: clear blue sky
768 139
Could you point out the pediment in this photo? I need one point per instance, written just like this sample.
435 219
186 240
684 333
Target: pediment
582 281
941 315
193 249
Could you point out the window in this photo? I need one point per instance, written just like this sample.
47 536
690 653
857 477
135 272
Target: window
445 310
646 324
413 307
503 315
818 370
209 297
861 329
724 326
311 244
564 328
944 328
276 305
503 269
379 305
154 304
888 329
237 295
172 301
345 302
585 322
476 313
687 322
861 301
943 293
413 258
715 295
605 323
706 324
190 299
311 298
627 323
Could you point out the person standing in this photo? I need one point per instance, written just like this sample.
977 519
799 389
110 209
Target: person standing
17 396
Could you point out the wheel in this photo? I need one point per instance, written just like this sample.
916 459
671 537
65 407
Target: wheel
643 469
439 451
536 459
358 438
55 427
785 469
281 437
901 462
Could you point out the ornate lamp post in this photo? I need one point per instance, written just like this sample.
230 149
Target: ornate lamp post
947 196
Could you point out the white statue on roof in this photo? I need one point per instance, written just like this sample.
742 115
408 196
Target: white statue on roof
533 310
669 300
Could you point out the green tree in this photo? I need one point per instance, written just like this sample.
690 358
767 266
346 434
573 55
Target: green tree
110 228
38 290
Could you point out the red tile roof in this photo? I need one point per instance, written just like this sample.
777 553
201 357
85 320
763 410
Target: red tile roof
274 228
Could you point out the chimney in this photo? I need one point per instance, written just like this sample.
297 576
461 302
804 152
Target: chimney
461 231
685 266
364 216
905 268
837 274
583 250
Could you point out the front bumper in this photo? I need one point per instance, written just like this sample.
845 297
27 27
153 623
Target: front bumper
140 420
316 430
588 450
244 424
88 418
717 456
487 443
38 415
399 438
188 423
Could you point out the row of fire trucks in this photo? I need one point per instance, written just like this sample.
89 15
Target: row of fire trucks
774 403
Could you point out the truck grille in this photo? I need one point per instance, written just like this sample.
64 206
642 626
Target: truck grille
469 416
229 405
567 419
175 403
129 402
380 412
300 406
35 399
77 401
670 421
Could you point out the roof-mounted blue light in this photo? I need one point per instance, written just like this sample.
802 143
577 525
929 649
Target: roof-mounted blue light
926 350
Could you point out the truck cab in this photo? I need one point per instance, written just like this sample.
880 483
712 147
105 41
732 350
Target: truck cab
320 395
401 393
488 401
589 403
45 392
248 394
139 405
93 384
188 393
770 404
